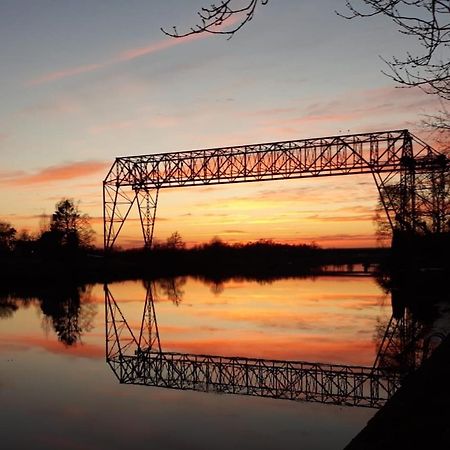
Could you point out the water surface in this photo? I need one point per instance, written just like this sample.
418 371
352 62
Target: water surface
57 391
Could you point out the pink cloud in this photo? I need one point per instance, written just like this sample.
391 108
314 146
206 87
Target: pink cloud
70 72
138 52
125 56
55 173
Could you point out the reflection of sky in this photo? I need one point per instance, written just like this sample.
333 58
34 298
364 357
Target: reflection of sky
328 319
81 85
68 398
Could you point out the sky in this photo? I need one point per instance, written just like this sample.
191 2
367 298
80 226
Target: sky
84 82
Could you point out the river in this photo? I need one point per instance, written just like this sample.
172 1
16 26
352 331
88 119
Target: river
58 392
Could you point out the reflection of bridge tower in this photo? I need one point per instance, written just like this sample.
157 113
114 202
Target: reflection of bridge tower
408 173
141 361
401 347
149 333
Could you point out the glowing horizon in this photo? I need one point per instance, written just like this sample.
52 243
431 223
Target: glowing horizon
77 93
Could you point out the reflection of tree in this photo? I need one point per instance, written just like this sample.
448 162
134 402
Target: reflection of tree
172 288
69 311
417 314
399 343
8 306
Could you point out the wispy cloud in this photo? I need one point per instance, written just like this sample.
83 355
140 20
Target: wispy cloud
350 108
67 171
124 56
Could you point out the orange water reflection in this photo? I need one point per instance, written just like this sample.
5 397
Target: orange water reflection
327 319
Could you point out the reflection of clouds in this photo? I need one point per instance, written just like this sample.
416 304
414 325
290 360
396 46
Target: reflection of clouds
27 342
300 348
320 321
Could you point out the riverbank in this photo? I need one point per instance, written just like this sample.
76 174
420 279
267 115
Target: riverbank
418 415
257 262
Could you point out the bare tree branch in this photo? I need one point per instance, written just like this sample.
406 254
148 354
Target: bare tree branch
428 21
214 18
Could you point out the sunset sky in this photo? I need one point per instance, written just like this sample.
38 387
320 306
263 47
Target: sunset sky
83 82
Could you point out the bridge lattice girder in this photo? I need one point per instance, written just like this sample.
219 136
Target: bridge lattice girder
386 155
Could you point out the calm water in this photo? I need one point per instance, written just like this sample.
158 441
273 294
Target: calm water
57 391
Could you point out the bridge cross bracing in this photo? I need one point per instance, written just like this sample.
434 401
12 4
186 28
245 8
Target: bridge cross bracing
141 361
391 157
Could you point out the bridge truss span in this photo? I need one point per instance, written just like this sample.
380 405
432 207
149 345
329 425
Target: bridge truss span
385 155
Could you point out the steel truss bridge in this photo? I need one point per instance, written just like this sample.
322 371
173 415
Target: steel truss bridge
408 174
137 358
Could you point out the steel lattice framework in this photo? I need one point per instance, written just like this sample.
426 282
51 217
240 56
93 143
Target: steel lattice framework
393 158
141 361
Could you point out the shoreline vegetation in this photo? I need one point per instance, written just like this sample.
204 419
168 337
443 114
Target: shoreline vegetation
216 260
63 252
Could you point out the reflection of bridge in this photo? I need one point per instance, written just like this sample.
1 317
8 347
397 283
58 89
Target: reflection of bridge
138 359
393 158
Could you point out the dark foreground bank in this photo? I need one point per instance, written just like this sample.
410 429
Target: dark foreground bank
253 261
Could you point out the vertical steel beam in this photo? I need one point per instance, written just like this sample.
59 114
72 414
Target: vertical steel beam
147 200
117 203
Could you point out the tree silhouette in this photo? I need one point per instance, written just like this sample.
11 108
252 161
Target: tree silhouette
175 242
69 229
7 237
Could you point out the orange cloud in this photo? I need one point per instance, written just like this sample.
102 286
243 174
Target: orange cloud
50 174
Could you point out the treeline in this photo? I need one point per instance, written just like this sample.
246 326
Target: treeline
67 232
263 259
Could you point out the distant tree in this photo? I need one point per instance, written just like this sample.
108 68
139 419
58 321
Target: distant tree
216 242
25 243
69 228
7 237
175 242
